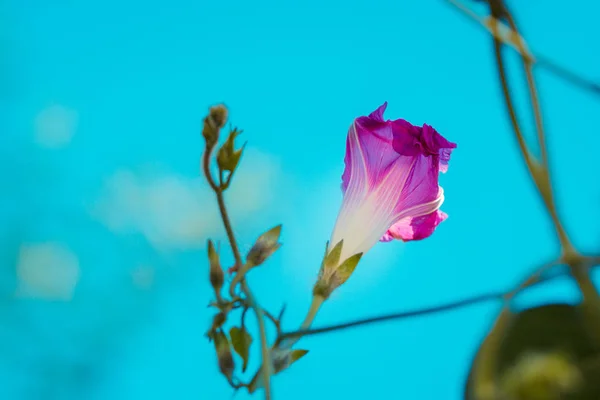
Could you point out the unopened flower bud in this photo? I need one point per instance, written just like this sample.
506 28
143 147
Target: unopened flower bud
224 356
216 275
265 245
216 119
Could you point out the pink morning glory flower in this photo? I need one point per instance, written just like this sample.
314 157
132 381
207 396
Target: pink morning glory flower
390 183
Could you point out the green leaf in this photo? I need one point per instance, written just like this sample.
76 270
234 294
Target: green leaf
298 354
241 341
553 338
333 258
284 358
227 156
346 269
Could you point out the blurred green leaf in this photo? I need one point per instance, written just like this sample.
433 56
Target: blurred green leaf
347 268
332 259
555 341
284 358
227 157
298 354
241 341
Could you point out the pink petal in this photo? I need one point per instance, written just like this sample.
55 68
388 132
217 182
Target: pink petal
415 228
437 145
368 150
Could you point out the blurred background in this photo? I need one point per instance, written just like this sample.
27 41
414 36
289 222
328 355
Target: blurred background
104 217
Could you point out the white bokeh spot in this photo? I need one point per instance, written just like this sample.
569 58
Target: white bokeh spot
55 126
47 271
178 212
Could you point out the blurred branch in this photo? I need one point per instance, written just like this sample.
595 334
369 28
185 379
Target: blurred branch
541 275
508 37
484 369
394 316
539 171
567 75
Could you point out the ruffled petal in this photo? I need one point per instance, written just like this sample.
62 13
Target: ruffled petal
377 115
437 145
390 182
415 228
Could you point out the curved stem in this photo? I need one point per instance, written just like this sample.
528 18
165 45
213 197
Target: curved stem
287 341
266 370
266 358
228 228
541 175
206 168
538 173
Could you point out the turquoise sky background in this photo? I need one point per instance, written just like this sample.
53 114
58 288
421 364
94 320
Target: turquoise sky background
104 218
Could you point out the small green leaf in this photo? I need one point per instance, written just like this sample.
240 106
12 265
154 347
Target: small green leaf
282 359
241 341
298 354
332 259
227 157
347 268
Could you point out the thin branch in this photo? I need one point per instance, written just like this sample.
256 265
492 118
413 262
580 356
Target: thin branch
395 316
542 177
567 75
535 103
275 321
244 285
537 172
511 109
541 275
228 228
288 342
536 58
243 318
206 169
265 352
